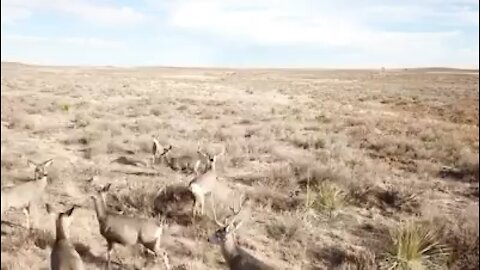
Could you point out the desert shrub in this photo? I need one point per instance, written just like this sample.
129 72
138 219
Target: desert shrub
65 107
463 238
346 258
468 164
401 199
359 259
278 202
245 121
415 245
361 194
393 146
135 200
22 121
24 238
108 125
390 198
280 176
96 148
325 198
284 229
308 142
315 174
156 111
175 203
82 120
223 135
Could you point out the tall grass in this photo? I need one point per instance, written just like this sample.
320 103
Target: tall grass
415 246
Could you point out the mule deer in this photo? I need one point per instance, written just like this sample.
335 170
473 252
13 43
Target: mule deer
185 163
63 255
203 183
236 257
125 230
24 195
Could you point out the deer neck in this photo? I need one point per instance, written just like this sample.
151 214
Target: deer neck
42 182
61 233
99 208
229 248
166 159
211 167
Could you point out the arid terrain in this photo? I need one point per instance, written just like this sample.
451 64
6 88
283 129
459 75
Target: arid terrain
338 166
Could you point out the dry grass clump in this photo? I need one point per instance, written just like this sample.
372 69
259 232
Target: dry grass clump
387 199
280 177
415 246
134 200
276 201
374 236
174 202
325 198
308 142
359 259
400 199
346 258
10 160
24 238
468 165
314 174
22 121
463 238
81 120
285 229
361 194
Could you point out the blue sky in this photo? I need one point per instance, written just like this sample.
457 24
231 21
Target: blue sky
242 33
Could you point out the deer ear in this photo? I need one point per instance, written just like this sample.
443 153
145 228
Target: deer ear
49 208
106 187
237 225
195 168
31 163
47 163
155 145
70 211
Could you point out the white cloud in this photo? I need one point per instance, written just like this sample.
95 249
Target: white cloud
87 10
249 32
10 14
309 23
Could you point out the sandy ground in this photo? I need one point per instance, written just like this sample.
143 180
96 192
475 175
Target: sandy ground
398 145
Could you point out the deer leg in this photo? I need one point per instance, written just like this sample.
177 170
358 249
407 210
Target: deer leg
26 211
194 204
202 201
153 161
109 255
166 261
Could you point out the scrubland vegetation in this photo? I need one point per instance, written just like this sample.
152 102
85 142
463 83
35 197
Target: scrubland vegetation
343 169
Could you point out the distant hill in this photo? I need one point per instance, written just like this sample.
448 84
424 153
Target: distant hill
441 69
412 69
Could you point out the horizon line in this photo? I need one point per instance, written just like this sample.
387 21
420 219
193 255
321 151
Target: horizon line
236 68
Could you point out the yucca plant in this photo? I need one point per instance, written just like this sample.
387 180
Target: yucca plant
415 246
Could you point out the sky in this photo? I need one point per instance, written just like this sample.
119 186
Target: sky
242 33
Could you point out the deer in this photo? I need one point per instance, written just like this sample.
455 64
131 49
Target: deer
63 254
125 230
24 195
236 257
184 163
203 183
